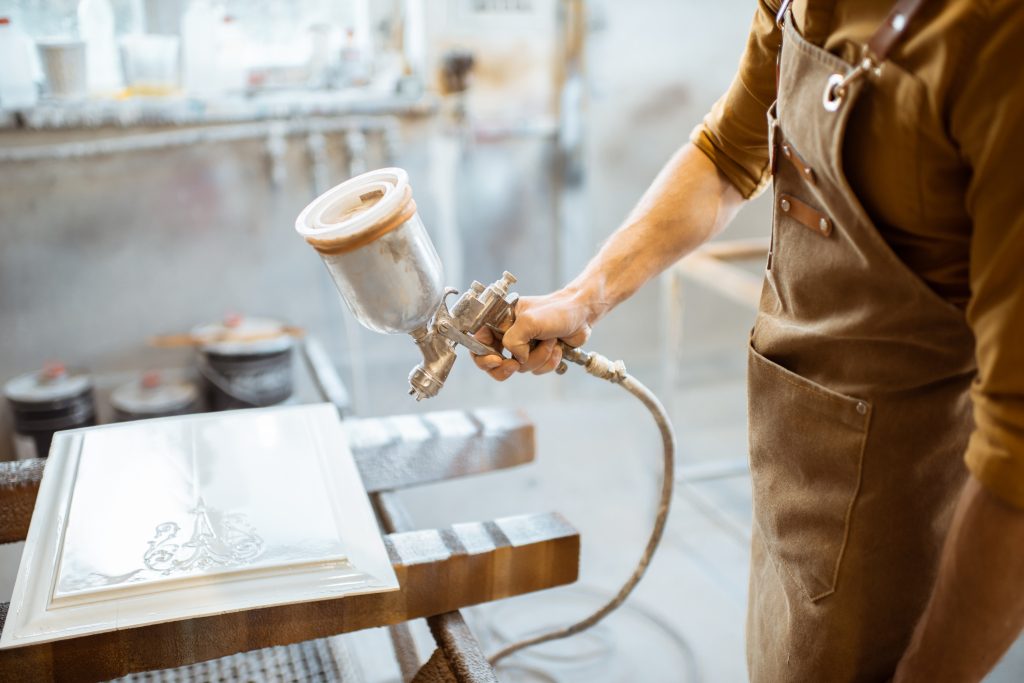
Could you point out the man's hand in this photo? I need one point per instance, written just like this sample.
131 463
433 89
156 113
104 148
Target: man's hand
563 315
977 608
687 203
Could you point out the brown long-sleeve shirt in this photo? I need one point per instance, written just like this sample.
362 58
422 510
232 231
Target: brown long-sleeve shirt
939 166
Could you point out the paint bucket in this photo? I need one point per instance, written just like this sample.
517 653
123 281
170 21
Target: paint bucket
153 396
48 401
245 362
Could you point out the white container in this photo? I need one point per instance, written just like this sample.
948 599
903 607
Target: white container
199 49
96 25
17 84
150 63
65 68
377 251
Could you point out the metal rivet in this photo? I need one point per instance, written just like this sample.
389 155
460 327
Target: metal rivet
786 151
862 407
808 172
823 224
784 205
899 22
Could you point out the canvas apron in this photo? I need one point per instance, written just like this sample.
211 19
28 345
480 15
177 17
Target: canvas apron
859 413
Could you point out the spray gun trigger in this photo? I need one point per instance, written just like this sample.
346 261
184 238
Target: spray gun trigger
449 331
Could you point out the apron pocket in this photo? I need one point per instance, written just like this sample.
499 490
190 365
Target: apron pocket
806 447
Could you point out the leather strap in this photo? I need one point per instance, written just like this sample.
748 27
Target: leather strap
801 166
804 214
892 29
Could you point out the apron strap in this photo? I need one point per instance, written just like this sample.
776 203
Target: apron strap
892 29
886 36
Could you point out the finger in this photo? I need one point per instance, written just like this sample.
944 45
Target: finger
539 355
484 335
551 363
578 338
507 369
518 337
488 362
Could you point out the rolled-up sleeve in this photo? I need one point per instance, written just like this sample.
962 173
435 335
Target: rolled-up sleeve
734 134
985 120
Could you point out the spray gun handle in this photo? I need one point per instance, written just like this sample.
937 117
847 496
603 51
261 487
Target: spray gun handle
509 320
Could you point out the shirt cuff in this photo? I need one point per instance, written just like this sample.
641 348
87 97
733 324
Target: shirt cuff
749 186
995 452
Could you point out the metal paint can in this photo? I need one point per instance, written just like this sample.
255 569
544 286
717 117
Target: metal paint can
245 362
153 396
48 401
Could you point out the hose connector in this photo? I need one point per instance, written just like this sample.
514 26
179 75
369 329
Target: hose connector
595 364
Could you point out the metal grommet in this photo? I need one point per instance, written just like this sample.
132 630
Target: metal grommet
784 205
832 97
862 407
823 225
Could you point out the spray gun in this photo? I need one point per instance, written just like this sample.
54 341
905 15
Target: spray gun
492 307
378 253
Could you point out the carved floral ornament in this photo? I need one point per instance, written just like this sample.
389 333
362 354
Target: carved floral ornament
217 540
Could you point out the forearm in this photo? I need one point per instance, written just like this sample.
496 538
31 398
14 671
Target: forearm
977 606
688 202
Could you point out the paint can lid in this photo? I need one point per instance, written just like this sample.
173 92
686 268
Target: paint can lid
239 335
153 394
54 382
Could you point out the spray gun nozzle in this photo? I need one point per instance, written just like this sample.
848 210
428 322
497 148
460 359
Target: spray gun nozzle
478 307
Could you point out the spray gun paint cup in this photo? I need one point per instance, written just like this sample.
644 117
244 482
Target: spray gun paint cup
383 263
377 251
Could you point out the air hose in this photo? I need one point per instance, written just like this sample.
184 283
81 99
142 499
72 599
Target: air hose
615 372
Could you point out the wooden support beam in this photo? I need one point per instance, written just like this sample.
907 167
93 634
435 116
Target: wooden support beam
391 452
19 484
439 570
458 657
737 250
409 450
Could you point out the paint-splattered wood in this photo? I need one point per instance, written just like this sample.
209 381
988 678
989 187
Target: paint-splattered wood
391 453
439 570
19 484
408 450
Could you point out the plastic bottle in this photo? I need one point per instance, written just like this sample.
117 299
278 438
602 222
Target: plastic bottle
17 86
103 64
231 59
199 29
